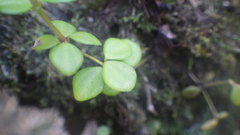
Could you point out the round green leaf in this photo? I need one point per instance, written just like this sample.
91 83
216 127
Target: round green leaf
116 49
119 75
65 28
235 95
136 55
15 6
222 115
45 42
87 83
57 1
210 124
191 92
85 38
109 91
66 58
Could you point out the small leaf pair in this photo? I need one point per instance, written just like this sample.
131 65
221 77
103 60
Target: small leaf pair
82 37
65 57
118 72
48 41
113 78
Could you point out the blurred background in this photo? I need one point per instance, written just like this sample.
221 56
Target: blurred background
186 44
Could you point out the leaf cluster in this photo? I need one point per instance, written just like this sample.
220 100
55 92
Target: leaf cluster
116 74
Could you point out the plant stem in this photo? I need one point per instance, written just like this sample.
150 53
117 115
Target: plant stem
37 7
217 83
210 103
206 96
92 58
51 26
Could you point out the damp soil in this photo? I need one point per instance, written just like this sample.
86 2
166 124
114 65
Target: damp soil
180 39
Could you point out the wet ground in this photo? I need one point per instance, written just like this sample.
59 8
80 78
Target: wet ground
181 41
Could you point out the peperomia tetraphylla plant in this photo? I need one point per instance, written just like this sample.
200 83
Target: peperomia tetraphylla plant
116 74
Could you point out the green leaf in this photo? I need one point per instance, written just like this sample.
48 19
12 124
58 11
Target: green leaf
57 1
235 95
85 38
222 115
66 58
109 91
15 6
65 28
136 55
191 92
116 49
103 130
209 124
45 42
119 75
87 83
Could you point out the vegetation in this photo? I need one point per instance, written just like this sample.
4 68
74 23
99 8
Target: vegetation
116 74
185 84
